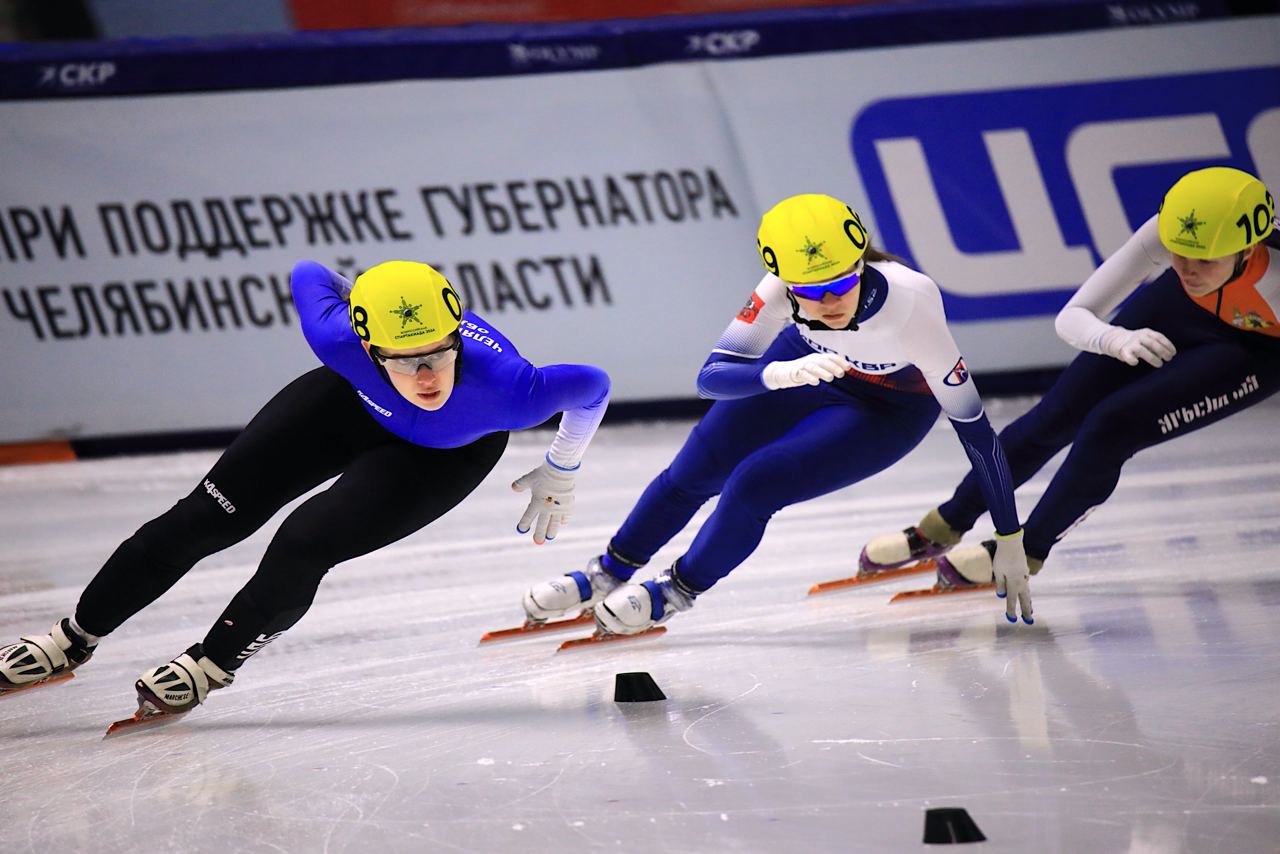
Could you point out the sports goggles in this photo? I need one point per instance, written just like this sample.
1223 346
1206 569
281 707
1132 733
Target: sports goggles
838 286
434 361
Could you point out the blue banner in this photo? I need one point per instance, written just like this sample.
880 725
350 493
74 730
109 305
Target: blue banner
138 66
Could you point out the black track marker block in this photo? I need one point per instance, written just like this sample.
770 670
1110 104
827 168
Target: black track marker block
636 688
950 826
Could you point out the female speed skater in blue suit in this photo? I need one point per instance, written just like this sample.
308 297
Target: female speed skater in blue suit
833 370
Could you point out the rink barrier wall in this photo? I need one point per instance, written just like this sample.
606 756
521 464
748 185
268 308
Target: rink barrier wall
155 66
146 239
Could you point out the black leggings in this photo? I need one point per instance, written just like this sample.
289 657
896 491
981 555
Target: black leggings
314 429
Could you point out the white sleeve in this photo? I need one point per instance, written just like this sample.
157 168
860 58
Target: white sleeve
1141 257
934 353
753 329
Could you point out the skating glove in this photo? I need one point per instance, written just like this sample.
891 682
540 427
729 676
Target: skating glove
1130 345
550 490
807 370
1009 566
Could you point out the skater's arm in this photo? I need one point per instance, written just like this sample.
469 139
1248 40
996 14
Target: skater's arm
935 354
581 392
734 368
320 295
1080 323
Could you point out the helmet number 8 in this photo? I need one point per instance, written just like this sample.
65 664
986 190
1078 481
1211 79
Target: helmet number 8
360 321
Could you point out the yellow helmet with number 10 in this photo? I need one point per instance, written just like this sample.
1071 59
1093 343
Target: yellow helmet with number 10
403 304
810 238
1215 212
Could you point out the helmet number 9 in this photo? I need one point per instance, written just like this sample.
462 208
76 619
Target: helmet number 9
1262 216
855 224
360 321
769 257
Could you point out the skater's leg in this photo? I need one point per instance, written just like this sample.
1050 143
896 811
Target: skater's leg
301 438
730 431
383 496
830 448
1200 386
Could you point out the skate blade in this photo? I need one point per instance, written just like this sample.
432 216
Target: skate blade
874 577
586 618
41 684
607 637
145 716
937 591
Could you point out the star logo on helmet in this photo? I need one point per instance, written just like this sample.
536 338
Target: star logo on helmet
407 312
1189 224
812 252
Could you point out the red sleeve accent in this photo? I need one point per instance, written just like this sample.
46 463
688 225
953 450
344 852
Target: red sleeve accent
751 310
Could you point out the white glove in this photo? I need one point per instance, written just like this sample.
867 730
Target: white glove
550 500
1130 345
807 370
1012 577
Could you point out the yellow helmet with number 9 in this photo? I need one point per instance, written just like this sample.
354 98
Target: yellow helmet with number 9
1215 212
403 304
810 238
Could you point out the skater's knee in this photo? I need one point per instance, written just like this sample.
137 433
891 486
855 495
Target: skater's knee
1110 430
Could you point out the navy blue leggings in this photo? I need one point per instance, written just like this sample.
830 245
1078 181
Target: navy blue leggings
762 453
1108 411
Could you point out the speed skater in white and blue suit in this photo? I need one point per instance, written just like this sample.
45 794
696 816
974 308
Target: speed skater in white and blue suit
834 370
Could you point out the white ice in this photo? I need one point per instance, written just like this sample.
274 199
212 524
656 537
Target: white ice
1139 714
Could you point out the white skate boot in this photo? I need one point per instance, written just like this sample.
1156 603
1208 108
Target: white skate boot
932 538
576 591
966 567
182 684
635 608
44 658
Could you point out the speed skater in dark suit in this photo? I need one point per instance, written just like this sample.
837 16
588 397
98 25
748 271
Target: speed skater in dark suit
410 410
834 370
1196 345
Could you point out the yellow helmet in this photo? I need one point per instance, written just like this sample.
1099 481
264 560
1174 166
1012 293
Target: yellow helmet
1215 212
403 304
810 237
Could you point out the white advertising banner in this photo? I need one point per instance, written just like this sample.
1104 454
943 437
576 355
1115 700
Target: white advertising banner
599 218
602 216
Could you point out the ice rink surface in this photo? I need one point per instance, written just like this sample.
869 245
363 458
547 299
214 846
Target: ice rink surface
1140 714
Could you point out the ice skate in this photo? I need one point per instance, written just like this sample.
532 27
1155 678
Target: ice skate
929 540
960 571
574 591
40 660
635 608
173 689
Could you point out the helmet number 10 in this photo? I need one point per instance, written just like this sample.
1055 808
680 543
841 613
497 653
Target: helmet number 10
1262 215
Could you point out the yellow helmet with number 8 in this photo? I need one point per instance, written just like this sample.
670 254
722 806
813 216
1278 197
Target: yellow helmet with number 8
1215 212
403 304
810 238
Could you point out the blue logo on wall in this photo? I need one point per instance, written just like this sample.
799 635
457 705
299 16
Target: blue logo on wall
1009 199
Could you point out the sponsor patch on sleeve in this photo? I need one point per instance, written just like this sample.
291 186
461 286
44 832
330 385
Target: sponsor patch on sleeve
751 310
959 374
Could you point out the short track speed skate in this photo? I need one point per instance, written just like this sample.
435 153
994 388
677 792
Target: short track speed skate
170 691
873 576
38 661
537 627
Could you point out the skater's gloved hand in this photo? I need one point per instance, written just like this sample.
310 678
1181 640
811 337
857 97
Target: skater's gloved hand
807 370
1130 345
550 490
1012 577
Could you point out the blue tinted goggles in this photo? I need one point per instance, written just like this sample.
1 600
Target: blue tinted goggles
836 287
